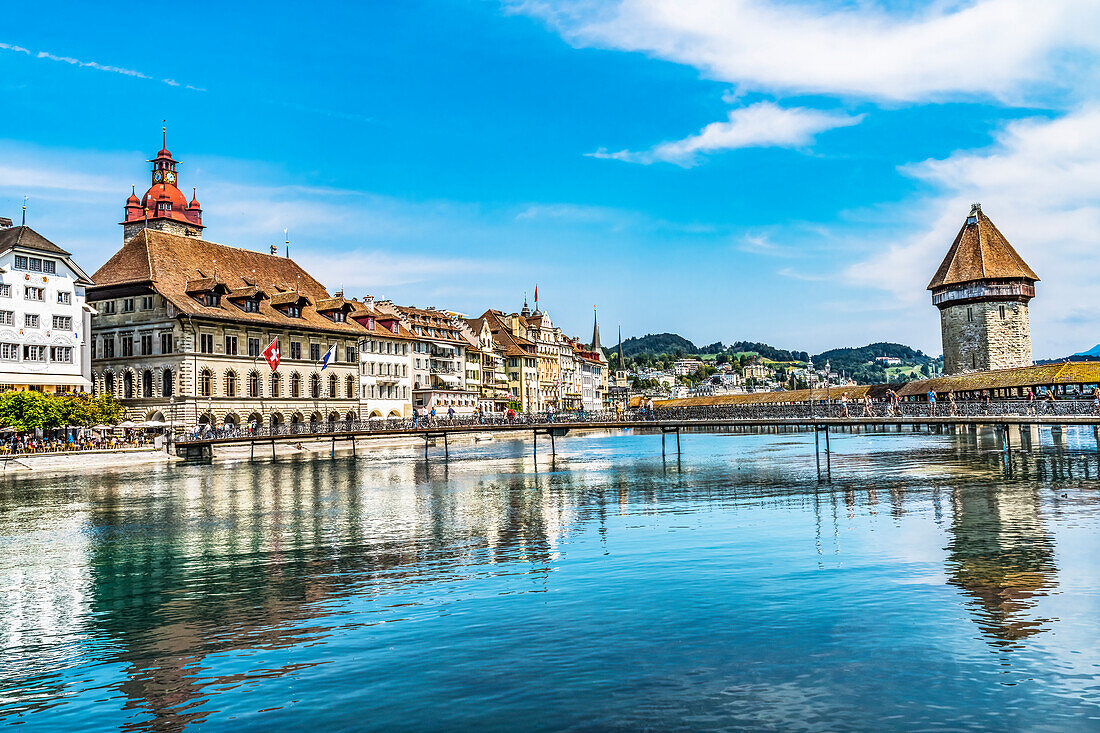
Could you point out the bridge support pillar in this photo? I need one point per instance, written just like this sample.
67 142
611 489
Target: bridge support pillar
1057 436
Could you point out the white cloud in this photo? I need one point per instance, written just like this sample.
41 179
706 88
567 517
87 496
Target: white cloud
91 65
988 48
760 125
1040 184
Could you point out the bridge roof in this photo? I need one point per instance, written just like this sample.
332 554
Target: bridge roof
753 398
1068 372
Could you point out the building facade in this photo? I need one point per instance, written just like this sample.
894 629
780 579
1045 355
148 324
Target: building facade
180 339
385 373
45 325
438 360
982 290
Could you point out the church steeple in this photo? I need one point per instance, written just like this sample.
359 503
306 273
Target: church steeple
595 331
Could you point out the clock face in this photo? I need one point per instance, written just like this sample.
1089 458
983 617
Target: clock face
169 177
156 176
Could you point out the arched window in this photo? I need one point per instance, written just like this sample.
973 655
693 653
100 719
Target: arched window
127 385
276 386
254 384
109 383
206 383
333 386
349 387
295 385
230 384
167 388
147 383
314 386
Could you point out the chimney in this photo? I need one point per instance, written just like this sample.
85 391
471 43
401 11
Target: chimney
4 222
338 293
275 250
369 300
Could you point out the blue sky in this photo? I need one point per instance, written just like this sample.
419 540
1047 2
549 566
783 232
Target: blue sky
789 172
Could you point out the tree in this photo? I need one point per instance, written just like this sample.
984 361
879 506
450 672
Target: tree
723 358
106 410
29 410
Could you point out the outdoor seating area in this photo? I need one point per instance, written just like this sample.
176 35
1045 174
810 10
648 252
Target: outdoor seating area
126 435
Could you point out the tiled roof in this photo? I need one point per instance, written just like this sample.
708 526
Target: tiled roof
363 311
511 344
290 297
204 285
753 398
441 322
24 236
980 252
1069 372
170 264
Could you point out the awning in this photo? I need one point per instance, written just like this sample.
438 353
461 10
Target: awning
447 378
67 380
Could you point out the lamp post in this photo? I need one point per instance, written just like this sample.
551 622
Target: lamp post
828 399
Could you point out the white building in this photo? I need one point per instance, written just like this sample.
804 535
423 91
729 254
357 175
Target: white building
684 367
45 326
385 363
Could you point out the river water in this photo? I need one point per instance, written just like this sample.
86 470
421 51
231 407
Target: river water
934 584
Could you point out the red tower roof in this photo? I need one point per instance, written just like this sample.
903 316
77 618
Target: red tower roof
164 200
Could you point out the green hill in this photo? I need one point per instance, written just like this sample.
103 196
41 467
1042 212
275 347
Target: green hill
859 364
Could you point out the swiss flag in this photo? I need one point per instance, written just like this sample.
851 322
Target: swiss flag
271 353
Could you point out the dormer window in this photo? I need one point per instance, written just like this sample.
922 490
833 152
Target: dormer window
211 299
251 305
338 317
293 310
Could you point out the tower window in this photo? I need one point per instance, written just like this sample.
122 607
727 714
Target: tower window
970 314
1002 312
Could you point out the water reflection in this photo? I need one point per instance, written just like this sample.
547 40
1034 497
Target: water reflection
169 592
1001 555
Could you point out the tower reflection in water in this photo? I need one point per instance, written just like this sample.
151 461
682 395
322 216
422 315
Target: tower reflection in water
1001 555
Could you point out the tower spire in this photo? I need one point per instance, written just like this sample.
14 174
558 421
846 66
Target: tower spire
620 345
596 331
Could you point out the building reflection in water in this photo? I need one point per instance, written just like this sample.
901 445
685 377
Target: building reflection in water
1001 555
220 566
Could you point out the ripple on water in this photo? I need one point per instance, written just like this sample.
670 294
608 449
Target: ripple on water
936 583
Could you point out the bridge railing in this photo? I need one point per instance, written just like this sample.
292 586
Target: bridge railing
748 413
389 425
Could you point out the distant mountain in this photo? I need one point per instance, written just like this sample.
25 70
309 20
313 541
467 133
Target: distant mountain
1094 351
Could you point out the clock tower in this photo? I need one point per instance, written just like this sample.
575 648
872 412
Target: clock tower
163 207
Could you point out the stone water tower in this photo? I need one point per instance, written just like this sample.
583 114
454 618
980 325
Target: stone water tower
982 290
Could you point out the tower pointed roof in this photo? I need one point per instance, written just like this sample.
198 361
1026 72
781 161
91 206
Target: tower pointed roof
595 332
980 252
